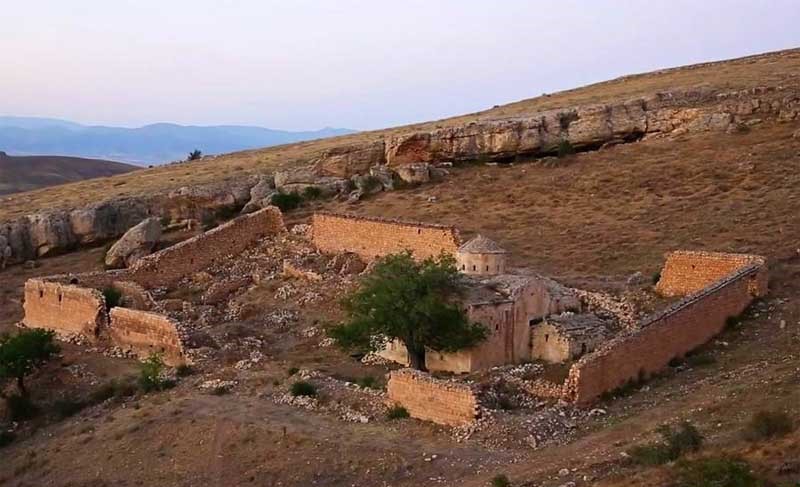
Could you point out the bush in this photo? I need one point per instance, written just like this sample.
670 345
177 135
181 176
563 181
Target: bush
312 193
700 359
20 407
656 277
6 438
501 481
150 371
716 472
768 424
303 388
565 148
673 445
113 388
194 155
184 370
113 297
292 371
397 412
67 407
371 183
286 201
368 382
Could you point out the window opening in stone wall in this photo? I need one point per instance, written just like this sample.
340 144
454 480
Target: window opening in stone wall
487 268
41 293
474 268
60 297
583 348
547 338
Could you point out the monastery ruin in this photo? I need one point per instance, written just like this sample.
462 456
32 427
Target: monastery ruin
530 318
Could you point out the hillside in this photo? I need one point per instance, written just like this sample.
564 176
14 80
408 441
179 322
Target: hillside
781 68
26 173
151 144
590 219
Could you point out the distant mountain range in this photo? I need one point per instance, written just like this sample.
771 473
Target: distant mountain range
24 173
151 144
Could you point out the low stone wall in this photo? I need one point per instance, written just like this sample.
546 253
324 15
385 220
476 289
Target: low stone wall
170 265
371 238
424 397
63 308
663 336
688 271
144 333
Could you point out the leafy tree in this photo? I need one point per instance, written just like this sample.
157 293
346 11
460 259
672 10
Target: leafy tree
411 301
194 155
150 371
24 352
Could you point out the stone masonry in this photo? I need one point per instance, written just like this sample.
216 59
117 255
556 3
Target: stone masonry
371 238
65 309
688 271
447 403
144 333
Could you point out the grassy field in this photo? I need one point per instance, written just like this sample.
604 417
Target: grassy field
781 67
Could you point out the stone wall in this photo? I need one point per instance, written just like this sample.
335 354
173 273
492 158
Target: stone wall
144 333
371 238
687 271
663 336
64 308
170 265
426 398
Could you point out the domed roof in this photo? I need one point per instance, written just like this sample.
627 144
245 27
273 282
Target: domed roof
481 245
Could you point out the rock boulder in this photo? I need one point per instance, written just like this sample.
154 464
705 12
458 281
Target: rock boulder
135 244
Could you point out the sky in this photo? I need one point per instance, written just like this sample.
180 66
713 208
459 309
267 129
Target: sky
307 64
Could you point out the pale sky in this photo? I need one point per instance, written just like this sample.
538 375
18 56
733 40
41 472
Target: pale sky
305 64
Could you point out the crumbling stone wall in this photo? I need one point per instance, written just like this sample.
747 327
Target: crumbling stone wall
143 333
170 265
663 336
688 271
424 397
371 238
63 308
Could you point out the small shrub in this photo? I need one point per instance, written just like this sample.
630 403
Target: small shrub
716 472
371 183
113 388
303 388
64 408
184 370
368 382
700 359
673 445
312 193
501 481
20 407
292 371
113 297
150 371
732 322
397 412
565 148
286 201
505 403
768 424
220 391
194 155
656 277
676 362
742 128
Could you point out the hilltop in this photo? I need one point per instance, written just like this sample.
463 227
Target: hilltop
26 173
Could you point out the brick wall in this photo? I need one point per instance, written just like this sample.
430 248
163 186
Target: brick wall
170 265
424 397
687 271
376 237
144 333
63 308
663 336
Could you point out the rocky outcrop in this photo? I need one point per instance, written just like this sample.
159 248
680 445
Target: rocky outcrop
346 161
260 195
299 180
591 126
5 252
137 242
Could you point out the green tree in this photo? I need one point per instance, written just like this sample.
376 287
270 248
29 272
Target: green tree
23 353
194 155
412 301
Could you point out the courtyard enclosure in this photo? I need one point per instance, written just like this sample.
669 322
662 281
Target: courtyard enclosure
447 403
65 309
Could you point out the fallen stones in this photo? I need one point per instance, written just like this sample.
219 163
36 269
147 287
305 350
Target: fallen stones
414 173
135 244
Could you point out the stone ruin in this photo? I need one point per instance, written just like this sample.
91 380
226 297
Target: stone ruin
530 317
